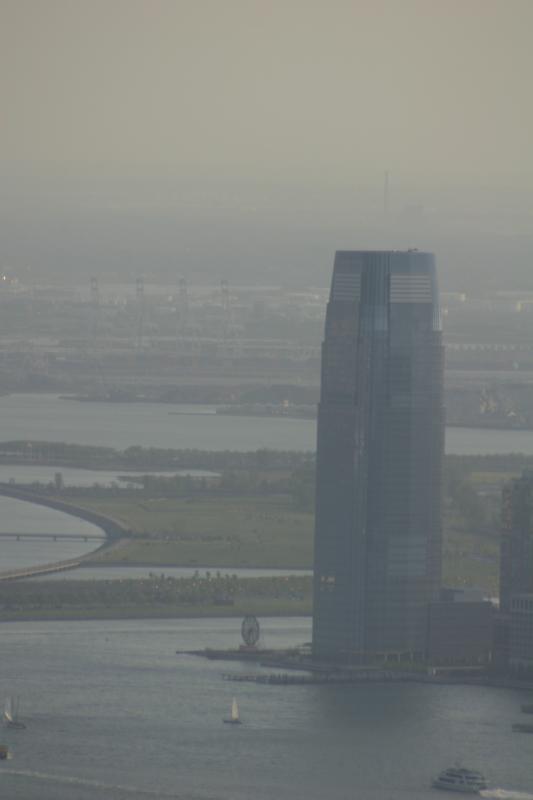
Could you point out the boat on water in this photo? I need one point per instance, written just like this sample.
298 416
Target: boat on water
460 779
4 752
11 713
523 727
235 718
527 708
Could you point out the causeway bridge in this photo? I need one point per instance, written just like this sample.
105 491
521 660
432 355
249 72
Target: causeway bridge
56 537
111 530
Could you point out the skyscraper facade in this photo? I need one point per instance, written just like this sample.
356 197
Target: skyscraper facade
379 457
516 549
513 646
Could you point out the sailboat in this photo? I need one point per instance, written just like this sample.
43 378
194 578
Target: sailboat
11 713
235 717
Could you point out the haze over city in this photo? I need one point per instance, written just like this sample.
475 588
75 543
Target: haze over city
252 138
266 399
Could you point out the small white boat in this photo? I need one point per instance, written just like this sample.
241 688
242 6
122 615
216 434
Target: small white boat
11 713
460 779
235 718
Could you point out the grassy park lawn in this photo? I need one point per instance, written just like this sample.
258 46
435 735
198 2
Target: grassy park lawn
157 597
260 531
264 607
264 531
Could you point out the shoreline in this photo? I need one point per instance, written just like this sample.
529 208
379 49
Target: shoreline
205 612
377 675
113 528
86 563
214 410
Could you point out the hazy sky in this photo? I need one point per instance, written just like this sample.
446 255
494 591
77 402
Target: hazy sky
253 135
435 89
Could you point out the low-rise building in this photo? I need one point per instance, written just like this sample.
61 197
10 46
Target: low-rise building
460 633
521 634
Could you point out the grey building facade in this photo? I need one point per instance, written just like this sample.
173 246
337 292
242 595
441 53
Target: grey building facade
460 633
521 634
379 457
516 549
512 648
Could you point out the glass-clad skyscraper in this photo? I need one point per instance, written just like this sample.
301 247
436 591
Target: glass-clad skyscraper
379 457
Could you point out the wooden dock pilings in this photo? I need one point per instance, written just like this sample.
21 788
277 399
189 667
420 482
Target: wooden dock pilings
332 678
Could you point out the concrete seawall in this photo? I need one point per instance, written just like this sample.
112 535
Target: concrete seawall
112 528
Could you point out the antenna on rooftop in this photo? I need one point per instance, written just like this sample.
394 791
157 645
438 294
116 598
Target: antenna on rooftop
182 315
386 196
95 308
139 294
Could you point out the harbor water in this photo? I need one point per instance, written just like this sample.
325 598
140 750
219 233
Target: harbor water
54 419
113 713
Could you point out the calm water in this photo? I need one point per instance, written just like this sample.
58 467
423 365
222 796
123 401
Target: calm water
112 712
120 425
17 516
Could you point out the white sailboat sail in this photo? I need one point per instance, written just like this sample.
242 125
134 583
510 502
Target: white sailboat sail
234 718
8 710
11 713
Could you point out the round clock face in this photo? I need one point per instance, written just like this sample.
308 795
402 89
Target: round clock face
250 630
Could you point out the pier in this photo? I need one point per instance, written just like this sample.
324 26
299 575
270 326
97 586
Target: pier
56 537
330 678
